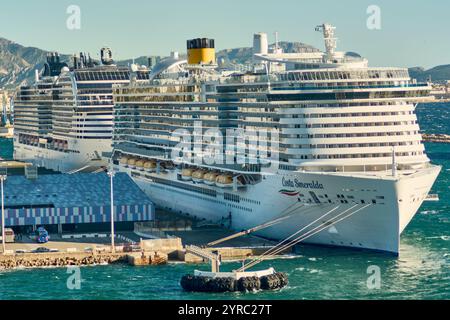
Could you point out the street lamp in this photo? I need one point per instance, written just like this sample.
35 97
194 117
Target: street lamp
111 174
2 180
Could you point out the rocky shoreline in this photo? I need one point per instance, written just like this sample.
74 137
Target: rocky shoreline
8 263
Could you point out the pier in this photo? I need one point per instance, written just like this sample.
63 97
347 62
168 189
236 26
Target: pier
84 251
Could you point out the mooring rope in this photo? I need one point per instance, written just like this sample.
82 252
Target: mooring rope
303 236
292 235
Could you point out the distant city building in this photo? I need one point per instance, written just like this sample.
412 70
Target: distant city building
153 60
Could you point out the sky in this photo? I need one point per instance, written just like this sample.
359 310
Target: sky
412 32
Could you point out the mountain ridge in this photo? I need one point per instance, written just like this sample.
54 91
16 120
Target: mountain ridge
18 63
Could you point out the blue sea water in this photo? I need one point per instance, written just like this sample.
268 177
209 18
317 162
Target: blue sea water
422 271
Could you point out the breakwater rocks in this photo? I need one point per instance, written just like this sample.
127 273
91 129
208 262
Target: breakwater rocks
439 138
37 261
207 284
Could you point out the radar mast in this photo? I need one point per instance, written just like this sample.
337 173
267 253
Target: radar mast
330 41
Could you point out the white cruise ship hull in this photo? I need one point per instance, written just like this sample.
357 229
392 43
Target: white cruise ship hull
87 154
382 206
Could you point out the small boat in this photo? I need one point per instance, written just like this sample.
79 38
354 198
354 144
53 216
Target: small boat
224 181
198 175
124 161
186 174
132 163
140 165
210 178
150 166
169 165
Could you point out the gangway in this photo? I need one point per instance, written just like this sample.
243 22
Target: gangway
304 233
213 257
78 170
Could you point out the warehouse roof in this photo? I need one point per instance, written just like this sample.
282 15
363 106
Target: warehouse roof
75 190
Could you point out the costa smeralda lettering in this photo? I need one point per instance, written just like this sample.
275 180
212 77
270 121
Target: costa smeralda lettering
299 184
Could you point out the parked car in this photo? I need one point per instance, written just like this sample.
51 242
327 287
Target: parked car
88 250
41 250
20 251
131 248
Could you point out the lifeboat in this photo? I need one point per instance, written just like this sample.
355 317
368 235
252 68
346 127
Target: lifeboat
224 181
140 164
150 166
210 178
169 166
132 163
186 174
124 161
198 175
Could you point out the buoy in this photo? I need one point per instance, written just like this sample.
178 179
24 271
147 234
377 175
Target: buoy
232 282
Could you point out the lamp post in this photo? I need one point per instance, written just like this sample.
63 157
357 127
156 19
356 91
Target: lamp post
2 180
111 175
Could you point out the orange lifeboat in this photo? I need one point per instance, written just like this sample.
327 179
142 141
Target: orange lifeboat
210 178
150 165
140 164
186 174
224 181
124 161
198 175
132 163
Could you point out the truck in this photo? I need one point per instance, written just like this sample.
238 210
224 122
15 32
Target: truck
42 235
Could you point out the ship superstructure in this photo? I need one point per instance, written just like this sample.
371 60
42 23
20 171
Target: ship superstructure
325 137
63 121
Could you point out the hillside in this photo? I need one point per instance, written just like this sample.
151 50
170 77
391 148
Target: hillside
18 63
437 74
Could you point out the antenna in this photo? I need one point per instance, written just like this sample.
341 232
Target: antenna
276 40
330 41
277 48
268 75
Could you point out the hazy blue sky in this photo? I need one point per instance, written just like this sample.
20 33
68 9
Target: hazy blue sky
413 33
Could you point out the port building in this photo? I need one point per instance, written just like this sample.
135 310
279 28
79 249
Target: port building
57 200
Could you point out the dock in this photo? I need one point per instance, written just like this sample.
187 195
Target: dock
145 252
8 164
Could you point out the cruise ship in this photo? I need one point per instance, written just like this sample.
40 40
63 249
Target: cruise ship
63 121
320 138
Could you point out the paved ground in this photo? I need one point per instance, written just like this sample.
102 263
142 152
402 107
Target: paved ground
56 242
197 236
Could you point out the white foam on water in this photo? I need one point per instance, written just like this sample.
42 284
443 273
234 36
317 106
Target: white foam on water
427 212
